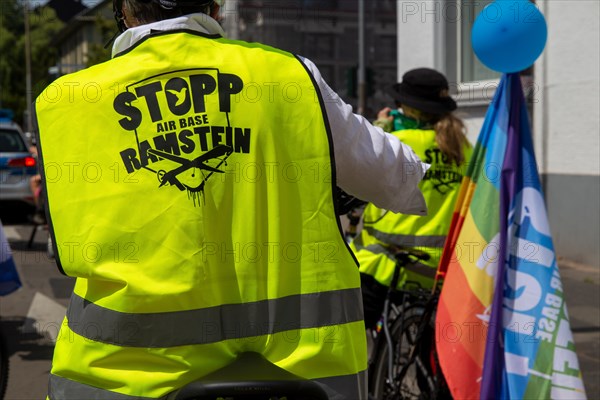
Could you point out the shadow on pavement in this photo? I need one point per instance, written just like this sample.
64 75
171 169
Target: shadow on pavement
16 212
36 246
30 345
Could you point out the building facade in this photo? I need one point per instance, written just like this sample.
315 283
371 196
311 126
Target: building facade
562 91
562 88
326 32
83 38
567 126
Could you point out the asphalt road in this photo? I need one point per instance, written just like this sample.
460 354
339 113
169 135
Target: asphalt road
31 316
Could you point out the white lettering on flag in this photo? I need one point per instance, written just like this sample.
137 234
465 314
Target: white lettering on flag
562 393
519 322
488 260
518 365
533 252
526 287
564 337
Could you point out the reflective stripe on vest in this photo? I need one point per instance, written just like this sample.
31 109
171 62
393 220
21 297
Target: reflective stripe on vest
407 240
195 202
215 324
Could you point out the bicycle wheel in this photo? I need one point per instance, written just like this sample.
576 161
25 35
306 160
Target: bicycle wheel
418 382
3 365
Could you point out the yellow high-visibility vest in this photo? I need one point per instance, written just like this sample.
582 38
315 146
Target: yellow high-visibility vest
425 233
190 191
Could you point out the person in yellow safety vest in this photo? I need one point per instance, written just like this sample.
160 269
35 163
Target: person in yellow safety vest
424 120
190 188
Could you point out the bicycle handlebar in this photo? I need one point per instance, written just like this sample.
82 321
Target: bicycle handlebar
346 203
405 255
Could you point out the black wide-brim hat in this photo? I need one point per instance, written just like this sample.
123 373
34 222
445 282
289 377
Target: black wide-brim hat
424 89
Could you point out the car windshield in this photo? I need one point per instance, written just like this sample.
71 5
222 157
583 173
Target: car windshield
11 141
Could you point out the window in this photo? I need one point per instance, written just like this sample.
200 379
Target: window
470 81
319 46
474 82
327 72
11 141
287 39
469 67
385 50
348 43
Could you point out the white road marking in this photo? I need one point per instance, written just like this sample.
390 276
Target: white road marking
12 233
45 317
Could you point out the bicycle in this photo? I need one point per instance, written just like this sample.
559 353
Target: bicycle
411 369
252 377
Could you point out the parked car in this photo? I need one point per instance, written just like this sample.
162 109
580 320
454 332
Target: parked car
17 164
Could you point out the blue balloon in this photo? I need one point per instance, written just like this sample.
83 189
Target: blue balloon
509 35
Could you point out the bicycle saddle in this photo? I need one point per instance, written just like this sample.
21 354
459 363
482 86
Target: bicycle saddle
251 376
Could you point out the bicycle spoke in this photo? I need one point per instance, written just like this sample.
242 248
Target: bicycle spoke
414 381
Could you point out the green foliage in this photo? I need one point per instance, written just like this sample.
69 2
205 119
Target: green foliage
10 70
97 52
43 26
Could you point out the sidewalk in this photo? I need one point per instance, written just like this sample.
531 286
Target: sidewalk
582 295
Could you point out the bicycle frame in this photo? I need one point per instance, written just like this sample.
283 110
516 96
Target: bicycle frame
414 305
429 308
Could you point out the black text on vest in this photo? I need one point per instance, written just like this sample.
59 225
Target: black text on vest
182 95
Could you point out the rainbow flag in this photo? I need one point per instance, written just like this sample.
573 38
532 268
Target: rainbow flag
502 325
9 278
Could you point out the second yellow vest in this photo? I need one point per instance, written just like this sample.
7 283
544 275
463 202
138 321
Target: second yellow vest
428 233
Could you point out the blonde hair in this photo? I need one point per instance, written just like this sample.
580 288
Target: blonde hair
449 132
450 137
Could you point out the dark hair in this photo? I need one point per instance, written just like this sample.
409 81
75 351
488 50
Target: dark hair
147 11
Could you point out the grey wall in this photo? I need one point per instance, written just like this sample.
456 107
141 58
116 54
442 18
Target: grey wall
566 126
573 203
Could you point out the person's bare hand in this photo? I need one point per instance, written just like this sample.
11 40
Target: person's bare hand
385 114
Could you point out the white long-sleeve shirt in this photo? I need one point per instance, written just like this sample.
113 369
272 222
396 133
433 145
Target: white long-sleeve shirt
370 163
